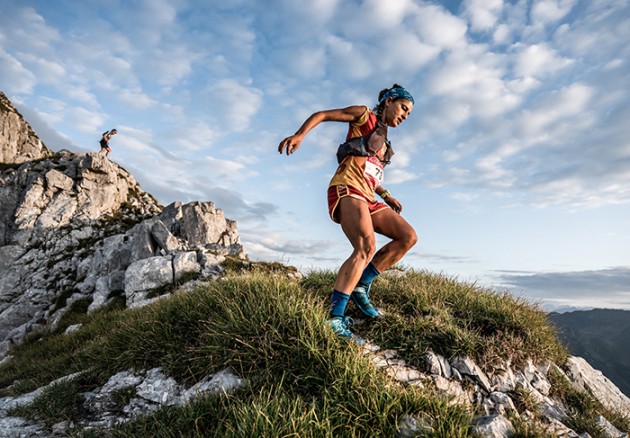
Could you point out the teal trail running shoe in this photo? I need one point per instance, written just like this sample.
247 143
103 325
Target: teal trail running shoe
341 326
361 298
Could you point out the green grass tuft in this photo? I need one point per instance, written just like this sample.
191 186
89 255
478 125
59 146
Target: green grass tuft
59 402
430 311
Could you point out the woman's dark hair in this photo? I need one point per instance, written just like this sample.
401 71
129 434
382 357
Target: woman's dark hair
379 108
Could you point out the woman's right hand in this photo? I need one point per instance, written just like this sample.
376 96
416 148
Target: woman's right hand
290 144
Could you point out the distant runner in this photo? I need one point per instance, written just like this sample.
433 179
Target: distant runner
351 201
105 142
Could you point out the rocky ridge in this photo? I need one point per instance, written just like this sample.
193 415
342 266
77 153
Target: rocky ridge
77 227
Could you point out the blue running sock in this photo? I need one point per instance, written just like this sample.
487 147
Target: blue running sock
369 274
338 302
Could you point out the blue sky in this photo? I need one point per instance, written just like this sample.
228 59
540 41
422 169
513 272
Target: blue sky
514 166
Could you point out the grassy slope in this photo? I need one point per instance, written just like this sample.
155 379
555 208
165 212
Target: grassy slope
302 380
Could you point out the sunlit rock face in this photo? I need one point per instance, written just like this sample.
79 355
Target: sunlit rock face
72 225
18 141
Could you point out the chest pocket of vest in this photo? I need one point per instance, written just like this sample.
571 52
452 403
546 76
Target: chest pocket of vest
356 146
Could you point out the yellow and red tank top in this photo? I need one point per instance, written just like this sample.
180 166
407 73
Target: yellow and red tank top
363 173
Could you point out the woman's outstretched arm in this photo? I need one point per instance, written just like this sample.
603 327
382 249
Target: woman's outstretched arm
349 114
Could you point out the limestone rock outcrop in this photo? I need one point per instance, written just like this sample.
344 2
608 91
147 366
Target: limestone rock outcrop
79 227
151 390
494 396
18 141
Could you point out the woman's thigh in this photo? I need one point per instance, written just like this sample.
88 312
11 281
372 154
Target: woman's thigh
356 222
391 224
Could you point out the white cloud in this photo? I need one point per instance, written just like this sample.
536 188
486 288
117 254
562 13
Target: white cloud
15 75
386 15
321 10
169 65
464 197
473 81
345 58
556 111
502 34
135 98
238 103
29 31
309 62
483 14
225 171
404 51
493 173
80 93
196 137
439 28
84 120
548 11
539 60
46 70
398 176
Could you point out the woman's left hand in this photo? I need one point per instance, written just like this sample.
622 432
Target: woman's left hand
394 204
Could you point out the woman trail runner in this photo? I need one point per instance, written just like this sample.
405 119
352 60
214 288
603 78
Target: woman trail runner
351 200
105 142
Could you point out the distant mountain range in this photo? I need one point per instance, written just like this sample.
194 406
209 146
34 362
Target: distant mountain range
602 337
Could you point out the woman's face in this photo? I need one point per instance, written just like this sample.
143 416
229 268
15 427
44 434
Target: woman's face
396 112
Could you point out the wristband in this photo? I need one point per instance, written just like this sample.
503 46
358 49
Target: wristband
385 194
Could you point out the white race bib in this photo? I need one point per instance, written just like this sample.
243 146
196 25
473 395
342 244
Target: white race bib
373 173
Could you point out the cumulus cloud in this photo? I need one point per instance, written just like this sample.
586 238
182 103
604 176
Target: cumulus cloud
538 60
427 257
398 176
84 120
237 207
483 14
135 98
51 138
283 246
239 102
47 70
474 80
345 58
401 44
439 28
197 136
30 34
13 72
551 10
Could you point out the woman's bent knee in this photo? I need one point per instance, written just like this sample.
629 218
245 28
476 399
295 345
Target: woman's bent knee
411 238
365 251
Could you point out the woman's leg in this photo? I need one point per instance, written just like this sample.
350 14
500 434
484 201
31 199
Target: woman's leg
354 217
356 223
390 224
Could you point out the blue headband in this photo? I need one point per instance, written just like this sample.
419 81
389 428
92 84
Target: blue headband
397 93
